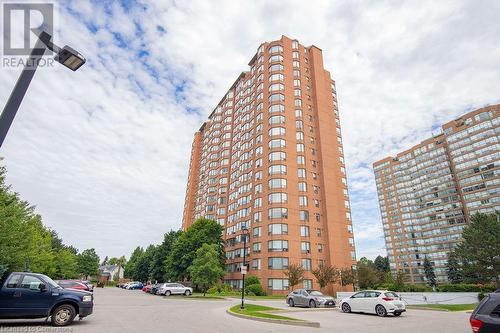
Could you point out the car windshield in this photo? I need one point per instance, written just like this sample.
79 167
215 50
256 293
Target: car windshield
315 293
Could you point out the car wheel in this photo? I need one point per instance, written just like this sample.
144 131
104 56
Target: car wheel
346 308
312 304
291 303
168 293
63 315
397 314
187 293
380 311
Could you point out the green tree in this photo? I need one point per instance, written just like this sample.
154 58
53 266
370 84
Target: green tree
367 274
88 263
184 249
162 251
295 274
131 266
326 275
430 276
382 264
143 264
399 281
453 269
347 276
66 264
206 269
479 251
105 261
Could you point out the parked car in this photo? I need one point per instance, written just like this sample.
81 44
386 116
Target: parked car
167 289
154 288
310 298
29 295
147 288
380 302
134 285
89 284
486 316
73 284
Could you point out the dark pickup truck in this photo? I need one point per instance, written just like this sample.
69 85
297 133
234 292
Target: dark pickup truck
30 295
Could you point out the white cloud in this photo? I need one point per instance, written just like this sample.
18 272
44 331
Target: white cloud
104 151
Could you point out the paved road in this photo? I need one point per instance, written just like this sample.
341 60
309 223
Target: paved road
121 311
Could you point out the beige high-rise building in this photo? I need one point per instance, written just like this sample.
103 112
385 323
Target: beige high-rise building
428 192
269 159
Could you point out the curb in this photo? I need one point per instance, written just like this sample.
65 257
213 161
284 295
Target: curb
277 321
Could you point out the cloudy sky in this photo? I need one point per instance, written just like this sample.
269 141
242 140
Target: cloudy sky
103 152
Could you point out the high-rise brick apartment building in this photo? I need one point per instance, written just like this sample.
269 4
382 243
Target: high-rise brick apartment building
428 192
270 159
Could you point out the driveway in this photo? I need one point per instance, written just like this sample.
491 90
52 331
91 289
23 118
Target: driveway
121 311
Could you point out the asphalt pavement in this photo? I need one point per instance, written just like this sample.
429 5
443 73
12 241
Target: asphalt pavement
122 311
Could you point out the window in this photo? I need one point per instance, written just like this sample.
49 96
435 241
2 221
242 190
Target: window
278 229
298 102
13 281
304 215
307 284
278 263
276 108
257 231
278 213
302 186
257 247
256 264
305 247
276 49
302 200
276 87
301 173
277 156
276 131
278 169
29 281
276 67
295 54
276 98
276 58
306 264
277 245
300 147
277 198
298 113
299 136
277 183
295 46
299 124
320 248
304 231
277 284
277 143
276 77
276 120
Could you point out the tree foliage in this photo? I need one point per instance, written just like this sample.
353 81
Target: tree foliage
295 274
25 243
88 263
480 249
453 269
158 263
206 269
183 253
131 266
326 275
347 276
430 275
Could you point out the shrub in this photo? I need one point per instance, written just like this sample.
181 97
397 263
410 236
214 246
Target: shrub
464 287
251 279
256 289
212 290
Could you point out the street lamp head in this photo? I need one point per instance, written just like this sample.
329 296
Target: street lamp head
70 58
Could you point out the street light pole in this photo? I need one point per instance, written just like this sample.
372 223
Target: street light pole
244 267
17 95
66 56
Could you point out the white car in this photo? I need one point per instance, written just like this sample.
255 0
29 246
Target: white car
380 302
168 289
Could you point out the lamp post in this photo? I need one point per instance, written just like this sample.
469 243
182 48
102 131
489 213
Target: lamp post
244 267
66 56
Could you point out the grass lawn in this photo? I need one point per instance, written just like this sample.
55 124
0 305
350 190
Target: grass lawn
447 307
259 311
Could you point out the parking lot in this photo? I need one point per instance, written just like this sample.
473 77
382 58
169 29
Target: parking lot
119 310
